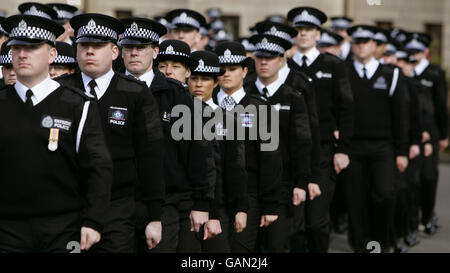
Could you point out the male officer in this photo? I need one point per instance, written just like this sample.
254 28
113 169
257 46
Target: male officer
129 116
433 104
64 181
379 143
65 12
339 25
186 25
9 75
335 110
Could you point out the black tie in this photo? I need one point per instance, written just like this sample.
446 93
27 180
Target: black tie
304 65
28 101
92 84
365 74
265 93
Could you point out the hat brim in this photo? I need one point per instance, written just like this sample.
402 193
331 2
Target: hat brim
361 40
16 42
69 65
190 63
87 39
212 74
136 42
307 24
264 53
246 62
186 26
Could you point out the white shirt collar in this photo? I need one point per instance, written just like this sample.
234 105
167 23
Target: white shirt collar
272 88
284 72
311 56
40 90
237 96
146 77
102 83
211 103
421 66
345 50
371 67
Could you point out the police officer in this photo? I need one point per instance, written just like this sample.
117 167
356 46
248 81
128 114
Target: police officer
174 60
64 13
330 42
65 62
379 144
295 135
339 25
64 182
129 116
3 38
9 75
433 104
335 112
186 25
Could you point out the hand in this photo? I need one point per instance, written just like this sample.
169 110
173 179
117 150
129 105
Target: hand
212 228
443 144
266 220
240 221
341 162
336 134
402 163
314 190
427 149
298 196
198 218
89 237
153 233
425 136
414 151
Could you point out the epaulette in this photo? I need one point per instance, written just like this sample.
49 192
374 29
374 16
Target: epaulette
177 83
131 79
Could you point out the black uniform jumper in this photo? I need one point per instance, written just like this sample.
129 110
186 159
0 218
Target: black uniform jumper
46 196
133 131
335 112
381 133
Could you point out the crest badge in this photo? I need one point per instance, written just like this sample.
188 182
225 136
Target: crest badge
91 25
22 25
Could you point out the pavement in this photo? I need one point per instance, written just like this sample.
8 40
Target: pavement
437 243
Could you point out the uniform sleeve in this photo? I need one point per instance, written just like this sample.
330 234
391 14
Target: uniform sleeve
300 142
343 99
416 120
440 103
270 171
96 168
149 149
401 116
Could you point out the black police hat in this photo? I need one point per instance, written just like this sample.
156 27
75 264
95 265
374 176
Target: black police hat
163 21
329 38
417 41
306 16
214 13
65 55
249 47
340 22
2 31
5 55
276 18
362 32
185 18
381 36
38 9
399 34
208 64
141 31
392 47
222 36
277 29
64 12
177 51
232 53
269 45
31 29
96 28
217 25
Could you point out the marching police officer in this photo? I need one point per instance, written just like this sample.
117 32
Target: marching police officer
129 116
186 25
65 62
64 181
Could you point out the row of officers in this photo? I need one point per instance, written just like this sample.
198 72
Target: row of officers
91 156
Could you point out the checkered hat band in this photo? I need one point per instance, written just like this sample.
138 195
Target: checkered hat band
64 14
140 33
270 47
362 34
340 23
415 44
233 59
327 39
37 13
174 53
207 69
401 54
60 59
248 46
97 31
391 48
280 34
32 33
185 20
5 59
306 18
380 37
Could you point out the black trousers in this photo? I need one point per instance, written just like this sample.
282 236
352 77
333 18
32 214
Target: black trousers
370 193
429 180
413 184
400 228
52 234
245 241
317 211
118 235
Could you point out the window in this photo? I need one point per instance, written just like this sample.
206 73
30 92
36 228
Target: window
435 30
231 23
123 13
384 24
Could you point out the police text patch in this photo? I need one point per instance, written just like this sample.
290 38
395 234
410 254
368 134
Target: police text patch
56 122
117 115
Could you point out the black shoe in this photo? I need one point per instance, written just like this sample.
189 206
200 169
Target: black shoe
434 221
340 226
430 229
401 249
412 239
